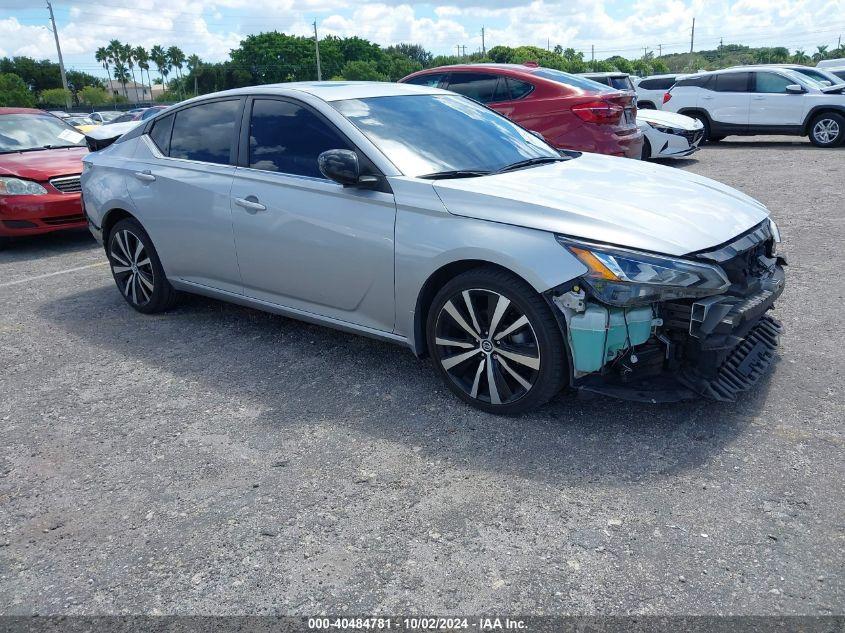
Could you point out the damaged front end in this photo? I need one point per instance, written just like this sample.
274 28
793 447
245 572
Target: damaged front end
659 329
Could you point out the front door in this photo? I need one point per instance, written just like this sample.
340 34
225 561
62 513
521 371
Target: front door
303 241
772 105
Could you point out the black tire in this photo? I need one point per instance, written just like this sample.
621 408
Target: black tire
705 132
4 242
528 364
715 139
645 154
137 269
827 130
645 105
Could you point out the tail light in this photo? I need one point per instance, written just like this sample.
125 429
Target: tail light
599 112
666 96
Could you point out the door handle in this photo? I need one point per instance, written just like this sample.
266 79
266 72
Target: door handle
145 176
250 203
758 98
707 98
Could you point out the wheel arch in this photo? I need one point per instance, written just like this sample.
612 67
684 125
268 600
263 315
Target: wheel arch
646 104
816 111
112 217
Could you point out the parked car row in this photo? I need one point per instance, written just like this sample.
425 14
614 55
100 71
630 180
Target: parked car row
419 216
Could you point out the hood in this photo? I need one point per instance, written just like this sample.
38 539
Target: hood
43 164
669 119
612 200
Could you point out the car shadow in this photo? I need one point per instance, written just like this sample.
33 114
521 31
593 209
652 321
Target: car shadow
298 376
19 249
728 144
674 162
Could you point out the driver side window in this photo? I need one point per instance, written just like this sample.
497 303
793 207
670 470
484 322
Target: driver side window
771 83
287 138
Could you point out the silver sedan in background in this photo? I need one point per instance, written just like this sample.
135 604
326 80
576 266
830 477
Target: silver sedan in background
420 217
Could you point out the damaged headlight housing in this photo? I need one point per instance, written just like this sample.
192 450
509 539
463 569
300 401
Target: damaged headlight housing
773 229
620 277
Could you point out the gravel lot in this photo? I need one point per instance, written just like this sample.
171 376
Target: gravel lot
222 460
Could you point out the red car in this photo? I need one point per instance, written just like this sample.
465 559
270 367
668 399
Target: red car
40 165
570 112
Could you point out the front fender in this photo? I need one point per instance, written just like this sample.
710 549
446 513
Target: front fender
426 242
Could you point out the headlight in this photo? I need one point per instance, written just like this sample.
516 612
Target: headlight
665 129
621 277
775 236
19 187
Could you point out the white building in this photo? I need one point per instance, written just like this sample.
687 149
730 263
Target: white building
135 92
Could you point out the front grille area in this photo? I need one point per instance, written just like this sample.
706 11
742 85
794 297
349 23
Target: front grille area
67 184
61 220
692 136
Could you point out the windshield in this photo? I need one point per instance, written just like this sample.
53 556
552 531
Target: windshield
584 83
25 132
819 76
427 134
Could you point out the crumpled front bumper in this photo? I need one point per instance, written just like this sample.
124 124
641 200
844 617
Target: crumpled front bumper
716 347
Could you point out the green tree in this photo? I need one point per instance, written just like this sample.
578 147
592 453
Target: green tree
820 54
14 93
159 57
94 96
55 97
414 52
143 58
275 57
362 71
176 59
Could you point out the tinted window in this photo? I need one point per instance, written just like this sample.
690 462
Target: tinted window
732 82
700 81
160 134
661 83
481 87
621 83
772 83
570 80
287 138
205 132
840 74
812 74
518 89
431 80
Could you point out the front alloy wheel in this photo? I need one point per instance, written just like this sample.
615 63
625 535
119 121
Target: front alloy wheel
495 342
828 130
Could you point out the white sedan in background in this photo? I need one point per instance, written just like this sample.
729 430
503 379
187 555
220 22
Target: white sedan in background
668 135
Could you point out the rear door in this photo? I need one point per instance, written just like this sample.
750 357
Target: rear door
728 101
180 182
772 105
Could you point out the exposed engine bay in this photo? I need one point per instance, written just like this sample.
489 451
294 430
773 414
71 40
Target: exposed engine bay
714 346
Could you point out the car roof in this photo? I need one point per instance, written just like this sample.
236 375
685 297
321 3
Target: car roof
333 90
22 111
607 74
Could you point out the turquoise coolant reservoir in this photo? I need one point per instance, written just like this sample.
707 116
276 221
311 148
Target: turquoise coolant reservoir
598 334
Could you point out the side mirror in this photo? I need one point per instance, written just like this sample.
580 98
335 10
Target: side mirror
794 89
825 83
341 165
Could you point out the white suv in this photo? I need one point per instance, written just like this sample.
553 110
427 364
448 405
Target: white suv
761 100
650 90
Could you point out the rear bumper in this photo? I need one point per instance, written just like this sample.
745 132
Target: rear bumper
32 215
601 139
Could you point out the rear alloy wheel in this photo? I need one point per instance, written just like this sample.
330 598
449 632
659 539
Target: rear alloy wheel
827 130
495 342
137 270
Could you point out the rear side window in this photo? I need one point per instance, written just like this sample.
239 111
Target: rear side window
702 81
731 82
482 87
661 83
621 83
431 80
205 132
583 83
840 74
772 83
287 138
517 88
160 134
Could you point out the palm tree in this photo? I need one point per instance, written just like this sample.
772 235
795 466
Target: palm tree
159 57
800 57
821 54
129 56
102 56
115 49
143 59
194 63
176 58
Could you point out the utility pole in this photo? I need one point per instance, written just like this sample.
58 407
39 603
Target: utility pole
692 37
660 50
483 46
463 50
59 51
459 50
592 52
317 48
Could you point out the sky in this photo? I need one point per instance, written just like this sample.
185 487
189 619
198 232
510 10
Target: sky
212 28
